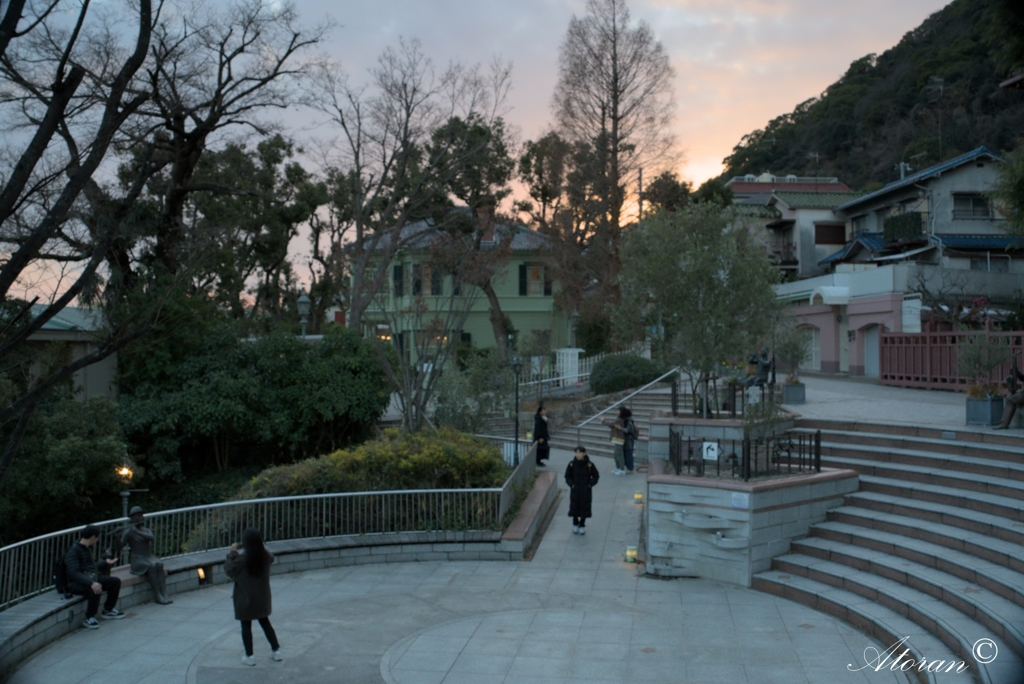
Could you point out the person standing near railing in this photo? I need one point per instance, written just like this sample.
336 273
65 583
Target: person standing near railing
618 439
251 572
1015 398
540 435
630 434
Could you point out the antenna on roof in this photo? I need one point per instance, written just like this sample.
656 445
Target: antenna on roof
817 158
903 167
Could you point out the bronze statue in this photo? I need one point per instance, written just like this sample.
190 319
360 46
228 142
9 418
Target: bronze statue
764 367
139 539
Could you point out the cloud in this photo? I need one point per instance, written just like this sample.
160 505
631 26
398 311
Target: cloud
739 64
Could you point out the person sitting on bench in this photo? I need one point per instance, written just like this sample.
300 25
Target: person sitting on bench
85 579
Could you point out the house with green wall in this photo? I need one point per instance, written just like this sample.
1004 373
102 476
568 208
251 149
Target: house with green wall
417 293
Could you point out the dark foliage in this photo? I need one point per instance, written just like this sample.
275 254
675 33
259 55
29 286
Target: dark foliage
934 95
620 372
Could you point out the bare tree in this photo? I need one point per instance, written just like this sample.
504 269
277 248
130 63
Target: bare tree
615 90
209 72
66 88
395 173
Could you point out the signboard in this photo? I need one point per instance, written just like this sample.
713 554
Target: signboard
710 450
740 500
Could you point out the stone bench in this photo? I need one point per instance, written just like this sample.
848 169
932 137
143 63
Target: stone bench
30 625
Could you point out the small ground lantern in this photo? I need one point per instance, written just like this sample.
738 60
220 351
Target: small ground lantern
631 554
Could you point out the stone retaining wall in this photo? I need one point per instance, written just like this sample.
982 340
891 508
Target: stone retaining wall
728 530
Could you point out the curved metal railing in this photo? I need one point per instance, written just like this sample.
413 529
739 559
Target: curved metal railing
26 567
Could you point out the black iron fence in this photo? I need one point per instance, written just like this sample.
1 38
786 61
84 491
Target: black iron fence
787 452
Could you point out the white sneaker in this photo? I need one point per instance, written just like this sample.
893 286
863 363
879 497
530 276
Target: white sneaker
618 472
275 655
249 660
575 529
583 530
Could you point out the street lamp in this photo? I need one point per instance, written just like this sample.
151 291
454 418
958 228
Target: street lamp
517 367
304 304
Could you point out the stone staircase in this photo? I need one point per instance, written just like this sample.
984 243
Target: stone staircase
595 436
931 548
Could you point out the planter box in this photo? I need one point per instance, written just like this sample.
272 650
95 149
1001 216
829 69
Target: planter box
984 411
794 394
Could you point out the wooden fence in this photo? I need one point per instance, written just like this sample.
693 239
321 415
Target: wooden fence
928 360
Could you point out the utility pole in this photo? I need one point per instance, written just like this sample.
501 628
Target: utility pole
640 194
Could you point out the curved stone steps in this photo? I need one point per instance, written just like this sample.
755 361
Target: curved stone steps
1005 507
883 624
958 631
969 450
998 551
990 467
996 578
976 521
929 475
998 614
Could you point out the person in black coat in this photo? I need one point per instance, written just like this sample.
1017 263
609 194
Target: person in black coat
251 573
581 475
541 436
90 580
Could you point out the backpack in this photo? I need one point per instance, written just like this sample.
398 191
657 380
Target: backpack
60 576
632 430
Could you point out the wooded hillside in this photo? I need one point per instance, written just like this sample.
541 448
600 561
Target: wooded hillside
933 96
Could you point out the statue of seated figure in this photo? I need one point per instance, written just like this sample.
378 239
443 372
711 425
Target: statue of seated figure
764 367
139 539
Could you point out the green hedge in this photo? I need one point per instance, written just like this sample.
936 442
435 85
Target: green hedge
904 226
397 460
620 372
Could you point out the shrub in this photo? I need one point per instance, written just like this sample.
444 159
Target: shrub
622 371
397 460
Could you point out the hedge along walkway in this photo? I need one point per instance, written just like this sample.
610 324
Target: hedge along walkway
575 613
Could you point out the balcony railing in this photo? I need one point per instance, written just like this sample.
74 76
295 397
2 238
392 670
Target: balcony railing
975 214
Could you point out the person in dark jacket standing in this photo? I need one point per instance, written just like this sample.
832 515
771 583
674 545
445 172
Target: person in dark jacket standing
85 579
540 435
251 572
630 433
581 475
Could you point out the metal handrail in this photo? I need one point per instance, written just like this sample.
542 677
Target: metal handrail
629 396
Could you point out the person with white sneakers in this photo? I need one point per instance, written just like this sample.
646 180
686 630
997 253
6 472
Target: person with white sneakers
581 475
250 571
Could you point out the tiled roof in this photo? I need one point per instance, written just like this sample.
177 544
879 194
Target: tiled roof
981 241
813 200
420 234
922 175
873 242
756 210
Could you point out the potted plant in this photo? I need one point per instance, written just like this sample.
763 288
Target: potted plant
976 357
792 347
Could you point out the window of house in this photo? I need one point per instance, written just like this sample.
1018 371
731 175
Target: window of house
829 234
436 282
417 280
967 207
536 280
398 276
987 262
532 280
860 224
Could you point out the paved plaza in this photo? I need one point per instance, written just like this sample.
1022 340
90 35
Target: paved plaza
575 612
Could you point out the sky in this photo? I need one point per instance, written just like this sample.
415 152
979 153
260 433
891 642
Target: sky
738 63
